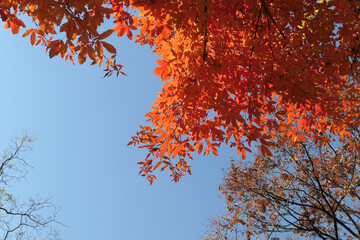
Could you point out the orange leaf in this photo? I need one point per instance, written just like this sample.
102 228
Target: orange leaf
91 53
54 49
105 34
162 70
243 153
99 49
157 165
265 151
27 32
32 38
82 56
15 29
7 25
19 22
129 33
160 62
214 150
163 168
72 60
120 29
110 48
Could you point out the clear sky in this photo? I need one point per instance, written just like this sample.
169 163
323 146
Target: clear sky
83 123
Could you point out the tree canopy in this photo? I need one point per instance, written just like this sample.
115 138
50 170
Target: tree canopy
302 190
234 72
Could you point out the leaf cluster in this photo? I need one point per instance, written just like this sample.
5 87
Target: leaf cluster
306 189
232 70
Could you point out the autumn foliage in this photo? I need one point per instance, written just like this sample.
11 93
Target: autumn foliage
304 189
233 71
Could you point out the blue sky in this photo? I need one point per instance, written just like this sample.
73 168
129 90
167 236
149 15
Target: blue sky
83 123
